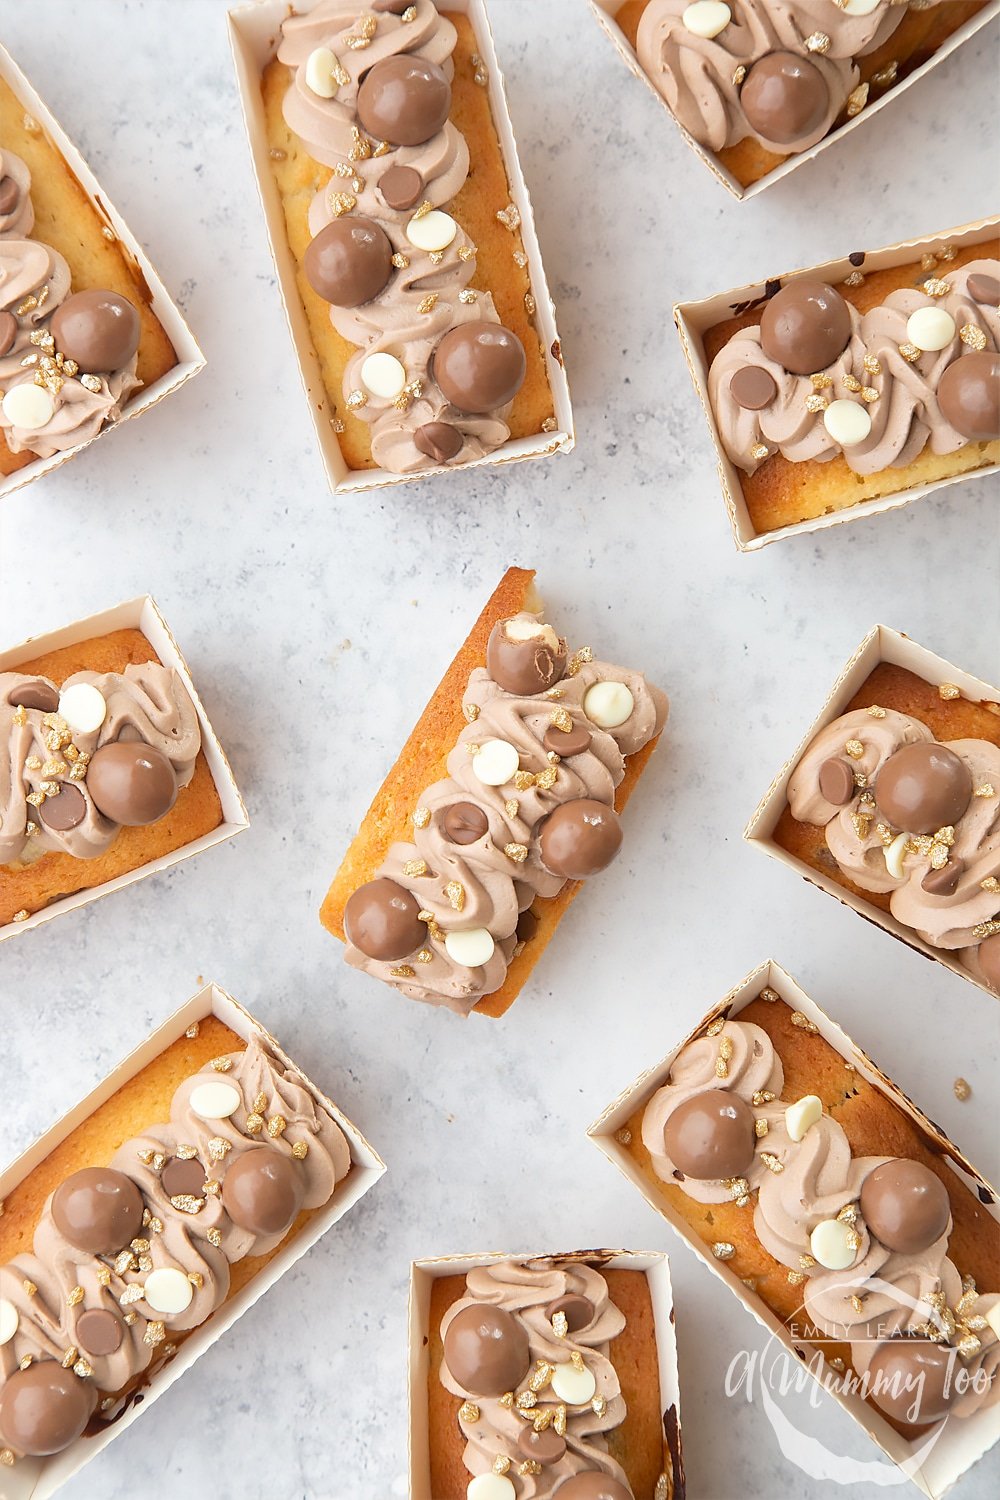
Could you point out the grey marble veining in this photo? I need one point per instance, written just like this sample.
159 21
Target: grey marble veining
316 628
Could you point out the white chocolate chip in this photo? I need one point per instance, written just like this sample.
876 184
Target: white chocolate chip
859 7
831 1243
432 231
383 375
803 1115
83 707
8 1320
706 18
491 1487
168 1290
575 1387
496 762
531 630
930 328
895 854
608 704
847 423
215 1100
320 66
28 406
993 1318
470 946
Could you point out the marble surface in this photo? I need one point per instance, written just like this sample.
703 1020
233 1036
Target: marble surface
316 629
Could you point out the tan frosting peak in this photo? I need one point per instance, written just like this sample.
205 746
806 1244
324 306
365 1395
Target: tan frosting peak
525 1290
146 702
19 222
858 836
904 411
43 1286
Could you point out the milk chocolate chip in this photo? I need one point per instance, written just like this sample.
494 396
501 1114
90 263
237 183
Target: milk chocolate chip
579 1311
943 882
99 1332
8 196
580 838
439 440
912 1380
923 787
969 395
753 388
401 187
711 1136
97 1210
45 1408
183 1179
480 367
836 781
464 823
8 332
65 811
592 1485
905 1205
805 326
981 288
97 328
349 262
38 694
486 1350
567 742
404 100
989 960
132 783
784 97
263 1191
525 657
545 1447
381 919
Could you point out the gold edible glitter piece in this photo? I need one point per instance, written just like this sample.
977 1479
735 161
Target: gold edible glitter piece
511 807
561 718
400 261
428 303
848 1214
467 295
255 1123
103 1275
760 1128
21 916
853 1239
872 366
215 1237
816 402
529 1468
356 399
131 1294
559 1420
341 203
986 790
623 1136
963 1089
739 1190
886 75
403 971
716 1026
910 352
83 1368
187 1203
550 424
425 208
806 1262
529 304
470 712
501 1464
875 712
935 287
990 884
409 14
124 1262
803 1022
771 1162
196 1279
6 1457
949 690
524 780
276 1126
186 1153
468 1412
869 394
517 852
723 1250
821 382
560 1325
796 1278
855 749
155 1333
762 1096
507 1400
857 100
739 73
465 252
300 1150
414 868
857 1303
70 1358
542 1376
760 451
818 42
75 1297
217 1147
599 1406
972 336
721 1068
222 1064
510 217
455 891
526 1400
29 1288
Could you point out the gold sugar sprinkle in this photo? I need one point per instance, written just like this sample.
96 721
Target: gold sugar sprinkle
910 352
356 400
928 262
576 1360
507 1400
599 1406
341 203
21 916
75 1297
510 217
821 382
723 1250
816 402
542 1376
760 1128
470 712
530 304
623 1136
561 718
517 852
511 807
972 336
739 74
806 1262
529 1468
155 1333
222 1064
872 366
986 790
400 261
466 252
769 994
455 891
935 287
414 868
6 1457
716 1026
854 278
526 1400
255 1123
857 1303
875 712
131 1318
760 451
855 749
560 1325
990 884
130 1294
818 42
869 394
501 1464
468 1412
963 1089
886 75
428 303
300 1150
215 1237
796 1278
803 1022
276 1126
949 690
403 971
217 1147
559 1420
196 1279
187 1203
771 1162
762 1096
421 817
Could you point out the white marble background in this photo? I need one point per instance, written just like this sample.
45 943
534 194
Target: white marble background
316 628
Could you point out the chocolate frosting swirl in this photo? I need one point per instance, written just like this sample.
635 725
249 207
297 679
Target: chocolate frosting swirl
526 1291
192 1235
146 702
392 322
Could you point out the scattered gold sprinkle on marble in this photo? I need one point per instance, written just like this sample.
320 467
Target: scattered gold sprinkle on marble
723 1250
972 336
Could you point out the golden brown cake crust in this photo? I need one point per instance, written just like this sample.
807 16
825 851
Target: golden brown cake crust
947 719
423 760
475 206
66 219
781 493
196 812
637 1444
874 1125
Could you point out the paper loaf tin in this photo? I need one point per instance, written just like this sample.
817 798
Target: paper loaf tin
880 645
693 319
961 1443
141 614
657 1270
606 12
254 34
189 357
37 1479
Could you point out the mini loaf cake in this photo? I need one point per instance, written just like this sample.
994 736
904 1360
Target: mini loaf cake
398 211
757 81
827 396
101 770
835 1209
544 1382
77 336
505 798
112 1254
898 800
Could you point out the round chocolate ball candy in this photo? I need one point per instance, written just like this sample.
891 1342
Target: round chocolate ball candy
905 1205
525 657
65 811
480 367
99 1332
592 1485
486 1350
439 441
97 328
8 332
580 838
711 1136
349 262
263 1191
44 1408
784 97
914 1381
381 919
805 326
969 395
132 783
97 1210
923 787
464 823
989 961
545 1447
404 100
578 1311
